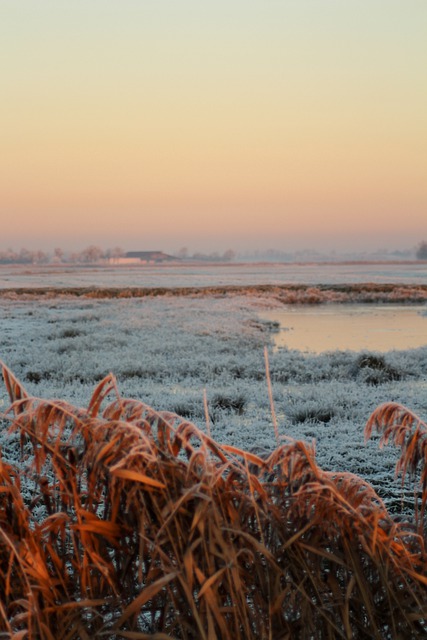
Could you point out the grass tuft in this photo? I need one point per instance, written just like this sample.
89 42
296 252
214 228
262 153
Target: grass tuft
124 522
373 369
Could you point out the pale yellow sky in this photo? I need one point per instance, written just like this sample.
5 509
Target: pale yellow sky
257 124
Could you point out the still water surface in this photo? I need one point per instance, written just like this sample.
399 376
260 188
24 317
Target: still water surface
354 327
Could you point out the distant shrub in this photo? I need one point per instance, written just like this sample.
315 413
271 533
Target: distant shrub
373 369
189 410
421 253
281 375
67 348
313 414
224 402
134 372
71 333
37 376
85 317
265 326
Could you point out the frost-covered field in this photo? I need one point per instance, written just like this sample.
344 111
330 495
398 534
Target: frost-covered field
167 350
209 275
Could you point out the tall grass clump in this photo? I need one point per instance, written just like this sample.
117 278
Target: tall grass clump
123 522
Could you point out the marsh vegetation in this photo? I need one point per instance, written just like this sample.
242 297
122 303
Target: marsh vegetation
150 511
124 522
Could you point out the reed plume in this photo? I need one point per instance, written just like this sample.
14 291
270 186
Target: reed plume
124 522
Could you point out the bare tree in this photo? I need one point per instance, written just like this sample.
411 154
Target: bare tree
183 253
25 256
115 252
91 254
421 253
229 255
40 257
58 254
8 256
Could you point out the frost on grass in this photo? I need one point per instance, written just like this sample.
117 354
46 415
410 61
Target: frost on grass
337 565
127 522
167 350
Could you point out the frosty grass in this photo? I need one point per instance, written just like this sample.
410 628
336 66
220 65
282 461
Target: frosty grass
167 350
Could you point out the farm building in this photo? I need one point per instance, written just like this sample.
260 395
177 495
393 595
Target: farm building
143 257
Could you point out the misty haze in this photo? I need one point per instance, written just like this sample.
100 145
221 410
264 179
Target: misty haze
213 320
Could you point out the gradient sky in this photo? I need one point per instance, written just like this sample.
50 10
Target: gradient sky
211 124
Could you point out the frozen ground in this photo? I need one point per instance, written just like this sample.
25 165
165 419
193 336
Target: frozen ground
209 275
166 351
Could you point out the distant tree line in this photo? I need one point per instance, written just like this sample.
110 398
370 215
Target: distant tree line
422 251
94 254
227 256
24 256
89 255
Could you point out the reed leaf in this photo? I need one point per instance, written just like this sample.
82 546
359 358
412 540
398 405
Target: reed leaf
125 522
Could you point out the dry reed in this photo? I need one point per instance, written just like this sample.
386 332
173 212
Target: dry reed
139 525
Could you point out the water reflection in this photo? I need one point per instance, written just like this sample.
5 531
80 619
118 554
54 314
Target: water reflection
354 327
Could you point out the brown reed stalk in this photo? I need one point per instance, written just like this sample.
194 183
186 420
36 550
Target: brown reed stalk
270 396
140 525
402 427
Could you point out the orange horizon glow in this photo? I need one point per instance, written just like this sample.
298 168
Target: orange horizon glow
273 123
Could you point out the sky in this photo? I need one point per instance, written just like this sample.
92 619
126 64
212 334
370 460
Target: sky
213 124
